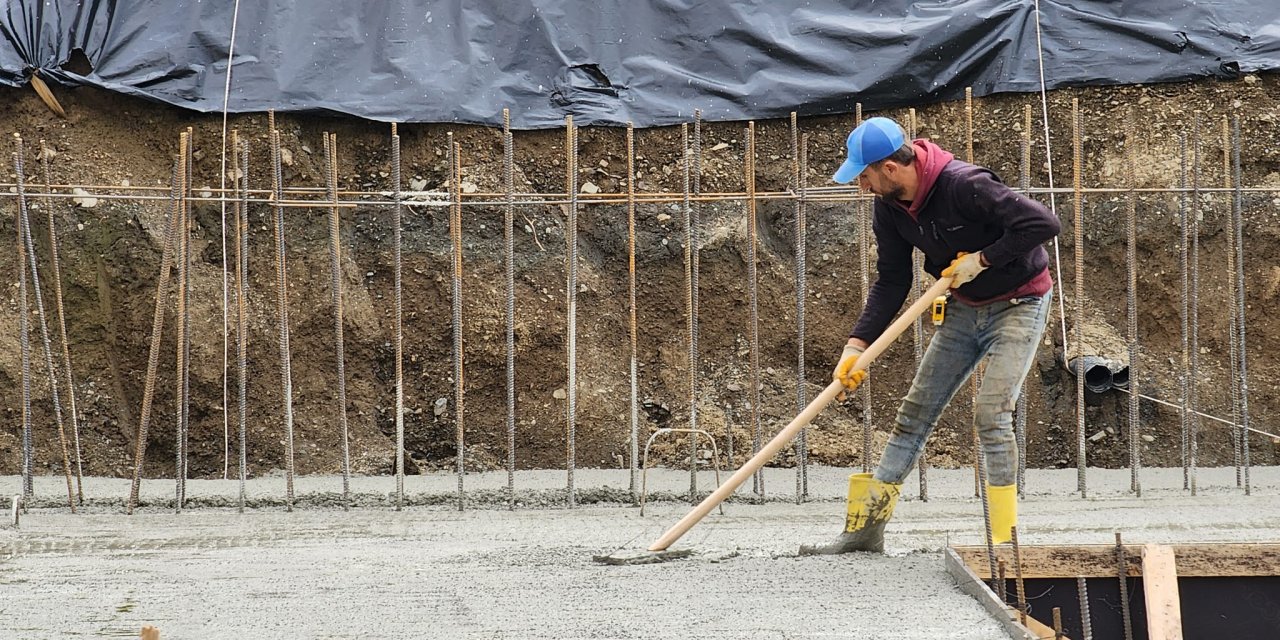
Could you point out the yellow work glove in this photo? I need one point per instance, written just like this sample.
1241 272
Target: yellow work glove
964 268
844 371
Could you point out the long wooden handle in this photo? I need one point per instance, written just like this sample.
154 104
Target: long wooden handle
819 403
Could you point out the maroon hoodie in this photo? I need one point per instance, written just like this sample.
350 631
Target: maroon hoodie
958 207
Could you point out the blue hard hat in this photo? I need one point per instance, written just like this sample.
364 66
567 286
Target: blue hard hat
872 141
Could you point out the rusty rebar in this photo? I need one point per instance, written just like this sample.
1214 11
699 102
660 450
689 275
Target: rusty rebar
1077 172
508 237
634 439
282 313
335 297
571 303
1122 572
1019 584
749 170
459 380
397 222
241 173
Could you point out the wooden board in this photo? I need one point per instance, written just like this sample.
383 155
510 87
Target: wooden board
1099 561
968 582
1160 585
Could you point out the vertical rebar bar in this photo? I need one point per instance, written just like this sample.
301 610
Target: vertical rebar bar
335 291
695 253
1193 376
865 211
1020 413
571 299
282 310
797 189
634 440
749 169
976 380
45 342
1057 623
1002 582
690 312
981 464
1237 215
1131 300
459 382
55 264
24 337
1077 162
397 223
1019 584
189 226
1184 244
168 256
1122 571
241 173
182 326
918 287
1086 626
508 235
1232 339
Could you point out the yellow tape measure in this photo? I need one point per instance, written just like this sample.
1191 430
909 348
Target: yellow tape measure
939 310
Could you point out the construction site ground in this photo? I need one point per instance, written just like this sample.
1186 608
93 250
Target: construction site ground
487 572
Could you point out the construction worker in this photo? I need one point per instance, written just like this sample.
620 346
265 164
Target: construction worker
987 238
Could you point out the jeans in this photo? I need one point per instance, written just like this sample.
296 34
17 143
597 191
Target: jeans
1008 333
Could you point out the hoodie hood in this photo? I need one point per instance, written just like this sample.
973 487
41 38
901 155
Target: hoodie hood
930 159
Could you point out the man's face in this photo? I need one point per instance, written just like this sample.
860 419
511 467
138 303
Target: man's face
880 179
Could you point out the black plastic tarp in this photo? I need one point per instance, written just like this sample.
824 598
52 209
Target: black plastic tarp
612 61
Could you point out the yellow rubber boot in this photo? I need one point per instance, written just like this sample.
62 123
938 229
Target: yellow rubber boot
871 505
1003 505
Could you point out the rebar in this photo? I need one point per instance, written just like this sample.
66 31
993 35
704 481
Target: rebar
918 287
1020 412
45 342
459 382
335 290
167 259
749 169
1122 571
865 213
571 300
1057 623
24 337
634 440
799 173
1184 229
1086 627
1002 582
1078 202
282 314
1019 584
241 173
189 223
976 380
397 222
1131 299
695 248
508 236
690 311
1194 372
182 325
1238 222
1232 339
981 464
55 263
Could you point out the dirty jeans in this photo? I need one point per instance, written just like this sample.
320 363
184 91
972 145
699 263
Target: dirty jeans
1008 333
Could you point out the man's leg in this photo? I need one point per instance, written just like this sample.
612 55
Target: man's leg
1011 334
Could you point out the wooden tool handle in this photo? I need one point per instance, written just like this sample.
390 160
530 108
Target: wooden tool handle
785 436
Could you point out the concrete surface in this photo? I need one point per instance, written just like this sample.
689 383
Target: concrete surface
435 572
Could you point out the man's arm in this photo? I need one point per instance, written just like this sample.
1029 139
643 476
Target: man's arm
1027 224
893 281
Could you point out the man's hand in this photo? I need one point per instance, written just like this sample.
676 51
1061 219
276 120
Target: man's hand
964 268
844 371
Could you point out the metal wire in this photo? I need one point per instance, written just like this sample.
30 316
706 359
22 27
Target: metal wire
1184 227
1131 299
1020 414
167 258
1238 223
335 290
508 231
749 168
1076 173
222 177
242 326
56 264
397 221
1122 572
690 312
1193 374
571 300
1232 339
634 441
24 337
181 321
1086 626
282 313
459 383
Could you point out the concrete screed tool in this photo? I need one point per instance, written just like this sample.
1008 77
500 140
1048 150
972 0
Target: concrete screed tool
659 551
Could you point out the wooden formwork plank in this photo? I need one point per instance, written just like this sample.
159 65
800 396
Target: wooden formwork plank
969 583
1099 561
1160 586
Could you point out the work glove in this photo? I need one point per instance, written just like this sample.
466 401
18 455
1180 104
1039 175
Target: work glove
844 371
964 268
